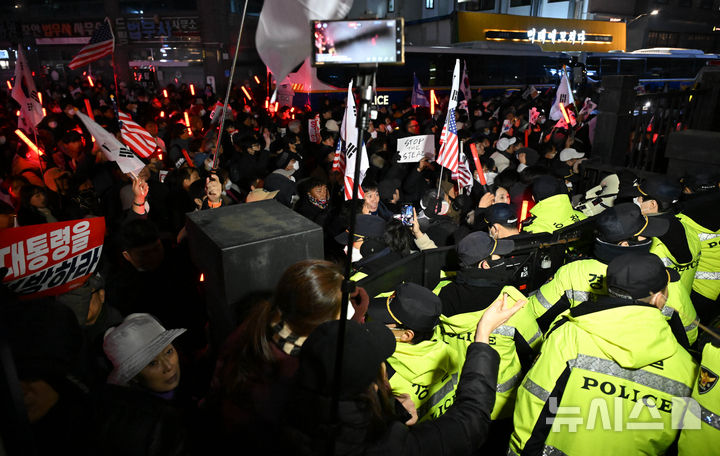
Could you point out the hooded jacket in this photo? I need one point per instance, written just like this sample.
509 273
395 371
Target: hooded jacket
609 364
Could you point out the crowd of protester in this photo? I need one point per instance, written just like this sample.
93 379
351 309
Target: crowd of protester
124 365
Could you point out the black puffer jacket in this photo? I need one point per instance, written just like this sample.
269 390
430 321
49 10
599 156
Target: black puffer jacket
460 431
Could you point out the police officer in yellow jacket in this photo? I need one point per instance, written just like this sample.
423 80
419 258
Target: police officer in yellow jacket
552 209
608 372
701 423
621 229
701 217
426 368
679 248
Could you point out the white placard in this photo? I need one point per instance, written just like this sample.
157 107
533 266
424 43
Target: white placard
412 149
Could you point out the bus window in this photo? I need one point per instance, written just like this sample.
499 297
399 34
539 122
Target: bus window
632 66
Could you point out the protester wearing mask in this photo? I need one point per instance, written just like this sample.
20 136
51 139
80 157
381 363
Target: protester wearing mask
621 229
434 220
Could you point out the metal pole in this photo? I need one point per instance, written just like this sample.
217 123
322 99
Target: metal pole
365 85
229 87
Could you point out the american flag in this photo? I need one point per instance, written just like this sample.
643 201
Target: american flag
449 147
339 159
136 137
102 43
463 176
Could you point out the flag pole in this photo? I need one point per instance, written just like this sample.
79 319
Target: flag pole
227 92
366 83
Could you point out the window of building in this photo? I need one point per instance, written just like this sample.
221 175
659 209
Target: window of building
556 1
514 3
429 4
663 39
391 6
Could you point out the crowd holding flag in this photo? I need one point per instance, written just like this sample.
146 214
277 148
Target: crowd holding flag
136 137
25 93
449 144
418 95
113 149
344 159
464 175
101 44
216 113
564 95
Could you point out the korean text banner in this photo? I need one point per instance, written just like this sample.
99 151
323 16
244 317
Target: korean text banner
51 258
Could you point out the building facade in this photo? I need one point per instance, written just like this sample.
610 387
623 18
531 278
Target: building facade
168 41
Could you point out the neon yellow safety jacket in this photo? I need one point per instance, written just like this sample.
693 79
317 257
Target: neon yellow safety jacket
578 280
551 214
429 372
701 423
603 384
513 341
686 270
707 276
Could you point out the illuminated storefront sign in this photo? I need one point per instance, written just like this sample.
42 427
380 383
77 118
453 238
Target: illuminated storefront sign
549 33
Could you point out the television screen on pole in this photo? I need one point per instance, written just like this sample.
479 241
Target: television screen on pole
374 41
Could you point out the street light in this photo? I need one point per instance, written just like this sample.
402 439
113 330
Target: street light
654 12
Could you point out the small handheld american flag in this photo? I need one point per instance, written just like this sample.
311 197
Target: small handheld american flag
449 149
102 43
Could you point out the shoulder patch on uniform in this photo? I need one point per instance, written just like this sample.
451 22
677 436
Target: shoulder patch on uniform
706 380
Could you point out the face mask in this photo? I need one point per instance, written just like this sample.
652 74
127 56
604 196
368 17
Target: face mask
373 134
637 202
228 184
296 166
202 112
490 177
356 255
444 208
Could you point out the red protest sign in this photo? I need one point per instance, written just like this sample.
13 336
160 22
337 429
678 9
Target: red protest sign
51 258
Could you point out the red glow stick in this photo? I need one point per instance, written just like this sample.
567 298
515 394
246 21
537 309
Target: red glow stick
478 166
187 123
27 141
192 89
89 110
92 84
249 97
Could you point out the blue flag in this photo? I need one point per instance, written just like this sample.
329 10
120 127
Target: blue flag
418 96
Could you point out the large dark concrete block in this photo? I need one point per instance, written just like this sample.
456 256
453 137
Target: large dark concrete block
244 249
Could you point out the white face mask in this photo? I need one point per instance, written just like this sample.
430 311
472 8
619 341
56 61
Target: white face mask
202 112
296 166
228 184
637 202
373 134
356 255
444 208
490 177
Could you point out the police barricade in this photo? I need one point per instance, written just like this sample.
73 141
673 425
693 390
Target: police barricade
422 268
533 260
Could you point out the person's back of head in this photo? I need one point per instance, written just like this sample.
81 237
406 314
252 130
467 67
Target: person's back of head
140 245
